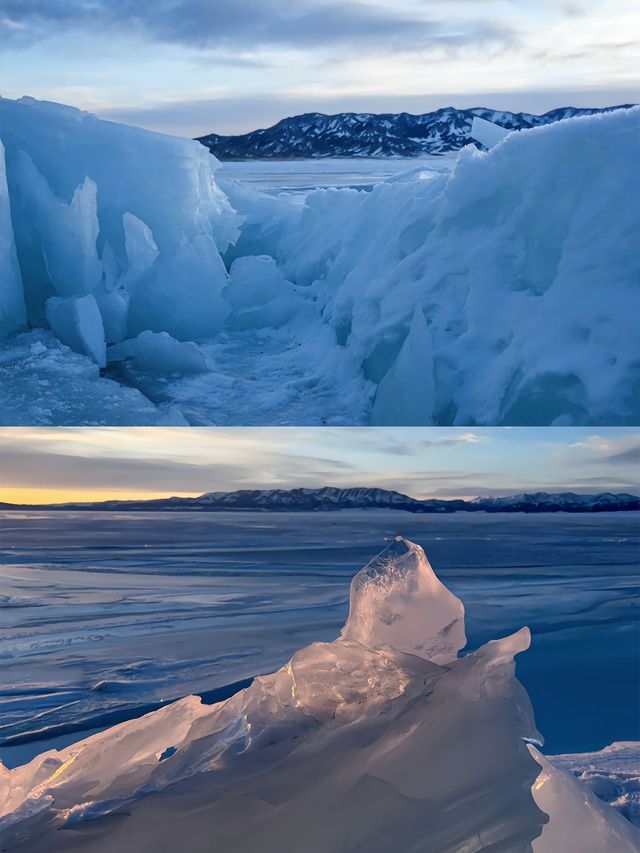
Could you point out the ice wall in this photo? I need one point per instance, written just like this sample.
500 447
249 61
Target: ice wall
355 744
524 261
134 220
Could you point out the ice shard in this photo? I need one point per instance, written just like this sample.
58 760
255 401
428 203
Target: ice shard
487 133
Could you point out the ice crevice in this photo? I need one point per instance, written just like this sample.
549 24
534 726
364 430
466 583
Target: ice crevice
384 736
502 292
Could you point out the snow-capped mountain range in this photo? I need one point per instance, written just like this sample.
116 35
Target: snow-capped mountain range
373 135
331 498
557 501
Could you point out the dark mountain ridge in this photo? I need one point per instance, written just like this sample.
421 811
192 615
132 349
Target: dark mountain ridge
330 499
314 135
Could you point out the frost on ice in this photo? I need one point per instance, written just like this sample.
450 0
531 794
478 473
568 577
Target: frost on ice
383 739
503 290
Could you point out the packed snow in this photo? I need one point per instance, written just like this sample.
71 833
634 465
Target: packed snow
383 737
612 774
493 287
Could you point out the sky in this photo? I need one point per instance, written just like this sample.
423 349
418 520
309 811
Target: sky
65 464
191 67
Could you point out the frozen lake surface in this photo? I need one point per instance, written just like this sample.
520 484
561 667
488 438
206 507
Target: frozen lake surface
108 615
302 176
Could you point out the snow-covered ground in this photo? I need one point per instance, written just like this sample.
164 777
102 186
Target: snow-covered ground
493 288
382 737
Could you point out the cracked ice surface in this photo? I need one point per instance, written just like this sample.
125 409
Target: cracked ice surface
354 743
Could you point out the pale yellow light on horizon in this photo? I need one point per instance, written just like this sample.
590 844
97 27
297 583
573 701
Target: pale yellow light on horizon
20 495
33 496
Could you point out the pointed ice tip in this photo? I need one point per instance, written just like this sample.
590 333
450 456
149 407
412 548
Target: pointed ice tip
507 648
396 600
409 545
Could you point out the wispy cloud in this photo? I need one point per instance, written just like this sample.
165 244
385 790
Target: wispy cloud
220 24
610 449
427 462
197 66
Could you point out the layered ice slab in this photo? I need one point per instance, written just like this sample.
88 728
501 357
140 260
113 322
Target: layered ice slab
132 221
383 739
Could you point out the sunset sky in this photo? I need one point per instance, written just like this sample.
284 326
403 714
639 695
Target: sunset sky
62 464
196 66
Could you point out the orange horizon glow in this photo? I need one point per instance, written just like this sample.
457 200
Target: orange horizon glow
33 496
61 496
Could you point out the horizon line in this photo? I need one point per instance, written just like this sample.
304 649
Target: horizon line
450 499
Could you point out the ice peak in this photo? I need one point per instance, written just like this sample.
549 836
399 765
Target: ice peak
397 600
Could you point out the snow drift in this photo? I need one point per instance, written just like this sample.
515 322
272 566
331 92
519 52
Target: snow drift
503 292
383 739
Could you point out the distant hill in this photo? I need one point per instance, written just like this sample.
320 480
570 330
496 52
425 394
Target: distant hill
329 498
373 135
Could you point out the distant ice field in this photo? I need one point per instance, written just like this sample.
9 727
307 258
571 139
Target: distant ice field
108 615
302 176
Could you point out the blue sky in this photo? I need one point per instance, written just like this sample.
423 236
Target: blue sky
194 66
85 464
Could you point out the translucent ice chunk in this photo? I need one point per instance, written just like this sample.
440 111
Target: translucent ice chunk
397 600
487 133
406 393
159 352
78 324
114 308
67 231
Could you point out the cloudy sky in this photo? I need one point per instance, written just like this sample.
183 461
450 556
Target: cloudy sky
194 66
90 464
